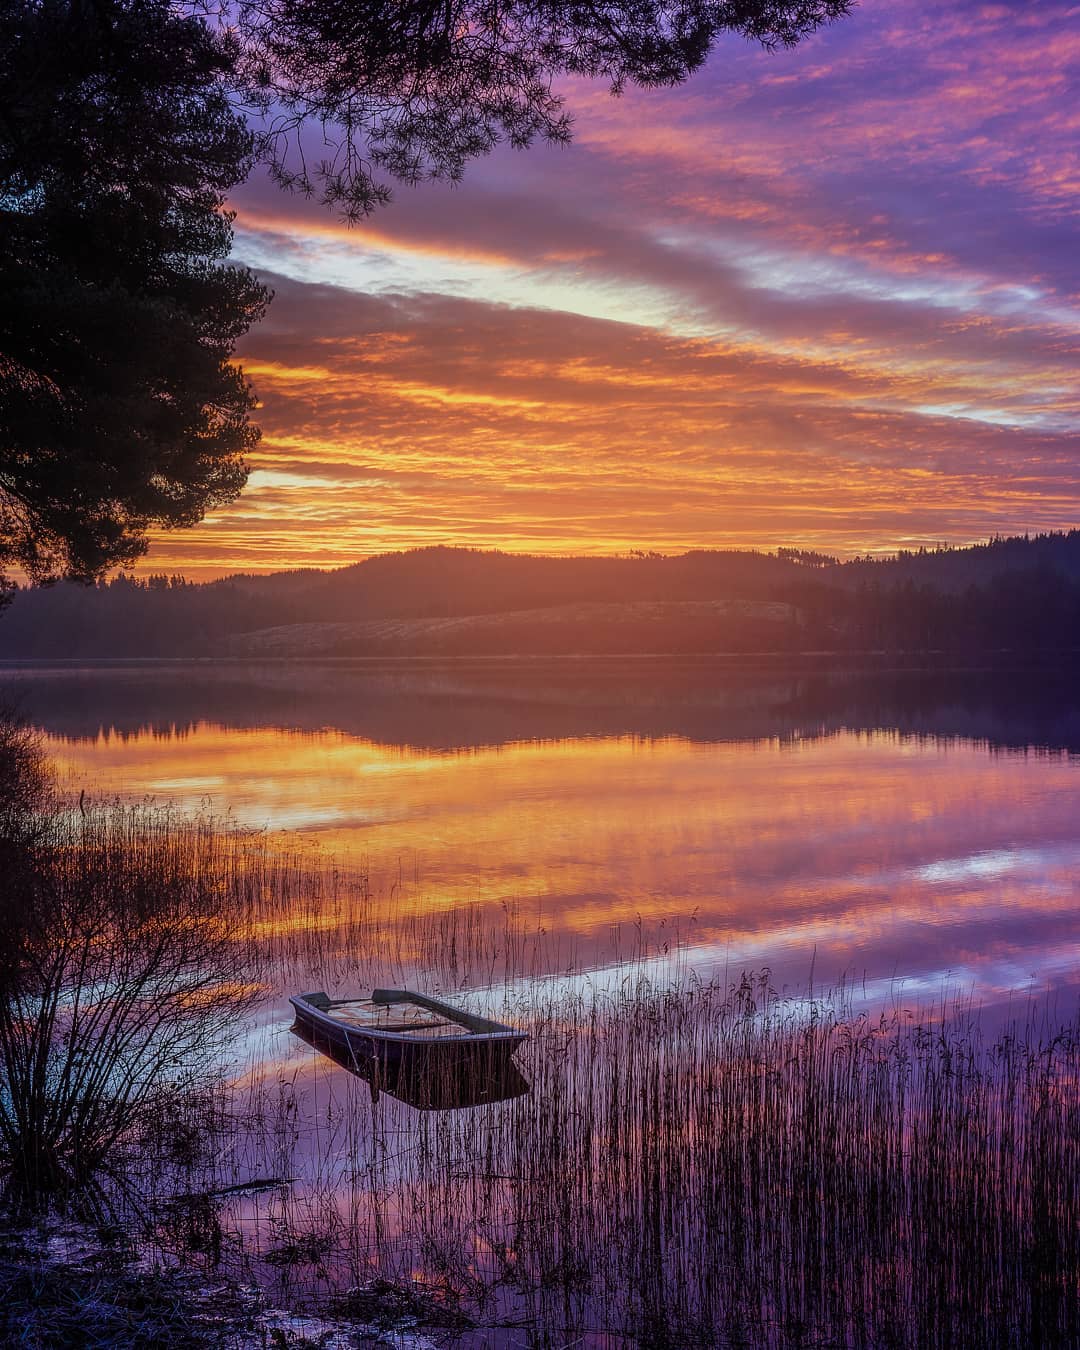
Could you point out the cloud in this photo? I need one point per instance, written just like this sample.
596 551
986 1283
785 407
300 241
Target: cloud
826 295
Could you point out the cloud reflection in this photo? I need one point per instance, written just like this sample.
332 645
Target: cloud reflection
864 853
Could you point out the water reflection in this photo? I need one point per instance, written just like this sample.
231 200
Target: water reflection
578 858
465 704
710 1166
816 839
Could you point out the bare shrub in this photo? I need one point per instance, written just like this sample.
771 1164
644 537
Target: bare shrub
122 972
25 788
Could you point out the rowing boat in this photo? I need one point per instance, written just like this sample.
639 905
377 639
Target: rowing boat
399 1029
431 1086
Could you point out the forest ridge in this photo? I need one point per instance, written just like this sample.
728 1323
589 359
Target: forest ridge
1018 594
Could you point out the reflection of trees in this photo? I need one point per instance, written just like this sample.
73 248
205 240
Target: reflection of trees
453 706
120 976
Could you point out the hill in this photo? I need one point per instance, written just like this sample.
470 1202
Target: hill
1015 594
955 569
588 627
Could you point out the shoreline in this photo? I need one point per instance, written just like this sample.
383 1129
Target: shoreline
826 661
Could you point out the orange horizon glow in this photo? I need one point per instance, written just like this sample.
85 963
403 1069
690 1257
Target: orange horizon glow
824 298
766 850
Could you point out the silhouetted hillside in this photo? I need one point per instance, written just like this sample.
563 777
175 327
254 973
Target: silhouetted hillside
1020 595
589 627
955 569
170 617
443 582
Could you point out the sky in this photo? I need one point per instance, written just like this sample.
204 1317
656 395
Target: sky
827 297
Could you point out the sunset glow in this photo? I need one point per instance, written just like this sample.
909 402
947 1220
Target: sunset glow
753 853
539 714
824 297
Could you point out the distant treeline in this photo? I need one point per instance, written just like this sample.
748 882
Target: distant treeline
1018 594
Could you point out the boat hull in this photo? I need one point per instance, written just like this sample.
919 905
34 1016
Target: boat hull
446 1084
389 1054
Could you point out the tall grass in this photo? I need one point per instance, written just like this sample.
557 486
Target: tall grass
713 1166
694 1164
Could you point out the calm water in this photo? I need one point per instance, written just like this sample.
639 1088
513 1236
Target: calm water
517 832
917 832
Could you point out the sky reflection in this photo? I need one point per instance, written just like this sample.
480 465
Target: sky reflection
867 854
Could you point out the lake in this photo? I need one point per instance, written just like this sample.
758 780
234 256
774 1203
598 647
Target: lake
532 834
910 833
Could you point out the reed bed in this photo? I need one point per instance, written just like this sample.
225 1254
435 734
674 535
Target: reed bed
124 978
714 1165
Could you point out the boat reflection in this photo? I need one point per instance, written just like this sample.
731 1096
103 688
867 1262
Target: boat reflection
435 1084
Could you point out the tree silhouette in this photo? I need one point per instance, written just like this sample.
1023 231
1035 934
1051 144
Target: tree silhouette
119 408
417 88
123 127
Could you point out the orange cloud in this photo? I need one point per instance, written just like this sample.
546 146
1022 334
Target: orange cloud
824 296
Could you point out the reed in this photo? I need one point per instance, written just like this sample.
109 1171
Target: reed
695 1162
716 1165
